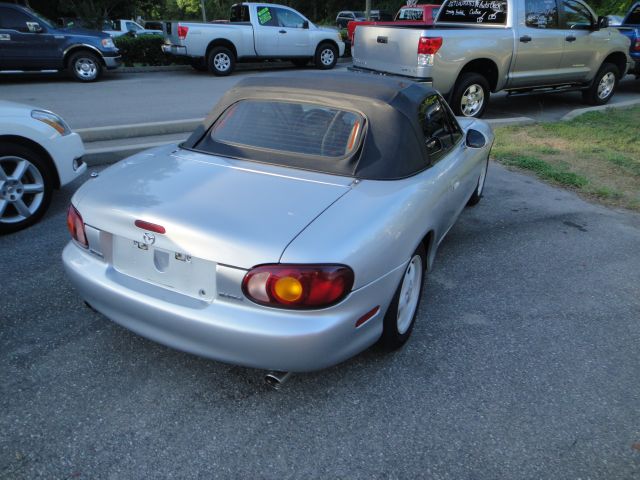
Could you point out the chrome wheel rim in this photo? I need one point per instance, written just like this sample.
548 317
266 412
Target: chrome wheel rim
472 100
86 68
409 294
327 56
21 189
222 62
605 87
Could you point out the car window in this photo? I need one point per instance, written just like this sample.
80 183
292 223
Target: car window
133 26
440 129
434 13
541 13
634 16
479 13
14 20
239 13
267 16
410 14
576 15
297 128
289 19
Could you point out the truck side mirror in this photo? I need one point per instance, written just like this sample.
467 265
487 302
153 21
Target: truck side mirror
305 24
475 139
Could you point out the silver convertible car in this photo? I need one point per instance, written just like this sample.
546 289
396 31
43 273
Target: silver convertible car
292 230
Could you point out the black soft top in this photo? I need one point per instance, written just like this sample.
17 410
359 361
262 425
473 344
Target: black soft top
393 145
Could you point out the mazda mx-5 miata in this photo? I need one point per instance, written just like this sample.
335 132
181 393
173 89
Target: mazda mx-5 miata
292 230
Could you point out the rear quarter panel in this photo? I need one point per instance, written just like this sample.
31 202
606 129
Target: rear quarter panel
202 34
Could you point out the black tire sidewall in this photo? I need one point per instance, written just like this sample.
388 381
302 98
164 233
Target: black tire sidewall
212 67
74 58
318 60
466 80
10 149
591 95
476 196
391 339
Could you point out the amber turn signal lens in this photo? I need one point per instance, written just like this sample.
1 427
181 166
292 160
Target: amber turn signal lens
288 289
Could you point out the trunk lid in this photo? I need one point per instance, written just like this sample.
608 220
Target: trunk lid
225 211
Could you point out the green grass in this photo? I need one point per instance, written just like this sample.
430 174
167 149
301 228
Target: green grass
597 154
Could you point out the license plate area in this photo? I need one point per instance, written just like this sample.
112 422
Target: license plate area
170 269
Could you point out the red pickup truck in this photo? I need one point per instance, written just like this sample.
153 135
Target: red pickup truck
407 15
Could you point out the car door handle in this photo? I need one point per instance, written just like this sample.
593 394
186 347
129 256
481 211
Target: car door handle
5 37
570 38
283 31
525 39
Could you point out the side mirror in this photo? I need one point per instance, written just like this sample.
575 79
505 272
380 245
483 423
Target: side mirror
475 139
603 22
34 27
305 24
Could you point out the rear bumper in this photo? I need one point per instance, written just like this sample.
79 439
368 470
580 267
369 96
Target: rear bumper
178 50
233 331
425 80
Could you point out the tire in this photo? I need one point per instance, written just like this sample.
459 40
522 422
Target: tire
199 64
85 66
326 56
477 193
470 95
401 315
603 86
221 61
25 195
300 62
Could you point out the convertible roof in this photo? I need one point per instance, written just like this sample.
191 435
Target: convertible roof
393 146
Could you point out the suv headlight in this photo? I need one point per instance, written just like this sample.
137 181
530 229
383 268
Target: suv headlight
52 120
108 43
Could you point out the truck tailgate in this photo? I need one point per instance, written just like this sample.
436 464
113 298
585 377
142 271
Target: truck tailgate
387 49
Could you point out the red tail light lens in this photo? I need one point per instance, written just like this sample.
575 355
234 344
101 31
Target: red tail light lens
75 224
429 45
182 32
636 47
298 286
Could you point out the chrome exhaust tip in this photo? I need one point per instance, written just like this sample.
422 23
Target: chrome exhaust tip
276 379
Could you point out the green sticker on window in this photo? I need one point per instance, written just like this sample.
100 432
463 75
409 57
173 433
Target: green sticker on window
264 15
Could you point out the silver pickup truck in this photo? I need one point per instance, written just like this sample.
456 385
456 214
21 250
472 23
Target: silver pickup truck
476 47
255 31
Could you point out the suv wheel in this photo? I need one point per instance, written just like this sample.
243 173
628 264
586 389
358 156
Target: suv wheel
85 66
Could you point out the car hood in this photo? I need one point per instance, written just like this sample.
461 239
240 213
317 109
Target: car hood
232 212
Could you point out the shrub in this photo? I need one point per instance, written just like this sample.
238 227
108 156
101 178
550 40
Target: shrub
144 50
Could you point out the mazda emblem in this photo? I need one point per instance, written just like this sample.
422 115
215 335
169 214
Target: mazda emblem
149 238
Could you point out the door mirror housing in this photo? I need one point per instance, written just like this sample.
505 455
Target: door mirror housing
305 24
475 139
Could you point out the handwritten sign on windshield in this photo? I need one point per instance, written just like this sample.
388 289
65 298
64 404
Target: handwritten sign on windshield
490 12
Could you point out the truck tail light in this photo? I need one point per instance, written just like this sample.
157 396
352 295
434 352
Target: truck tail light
636 46
182 32
298 286
427 48
75 224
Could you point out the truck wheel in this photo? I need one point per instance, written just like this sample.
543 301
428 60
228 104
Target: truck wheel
25 192
603 86
326 56
470 95
85 66
221 61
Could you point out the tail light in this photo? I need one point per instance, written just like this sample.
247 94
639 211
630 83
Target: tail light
182 32
75 224
298 286
427 48
636 46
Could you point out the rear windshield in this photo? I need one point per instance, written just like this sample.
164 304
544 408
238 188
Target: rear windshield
484 12
239 13
410 14
287 127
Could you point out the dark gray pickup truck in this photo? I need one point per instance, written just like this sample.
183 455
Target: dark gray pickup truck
29 42
476 47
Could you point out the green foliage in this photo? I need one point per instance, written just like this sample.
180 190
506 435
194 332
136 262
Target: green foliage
142 50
